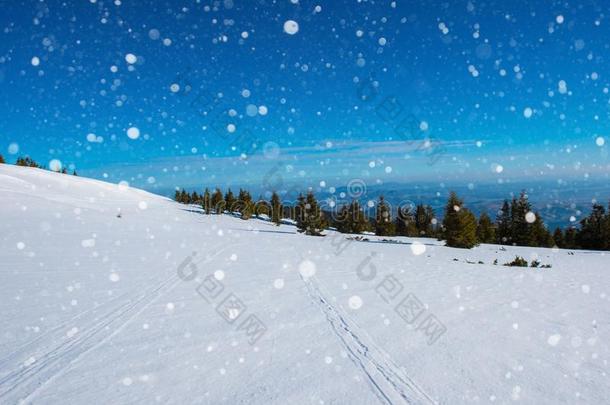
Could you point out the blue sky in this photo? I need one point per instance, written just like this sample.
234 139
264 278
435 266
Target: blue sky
458 92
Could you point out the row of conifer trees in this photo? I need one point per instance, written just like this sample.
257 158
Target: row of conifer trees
27 161
515 224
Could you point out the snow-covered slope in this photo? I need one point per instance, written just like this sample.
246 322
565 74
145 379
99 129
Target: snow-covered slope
101 308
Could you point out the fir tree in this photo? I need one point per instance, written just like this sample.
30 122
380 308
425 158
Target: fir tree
424 215
432 227
538 234
184 197
341 222
606 230
309 217
486 233
247 210
520 228
27 162
74 173
570 238
593 229
262 207
503 221
2 159
195 199
352 219
359 221
218 202
230 202
299 212
459 224
468 236
245 204
558 238
384 226
276 209
451 221
206 202
405 222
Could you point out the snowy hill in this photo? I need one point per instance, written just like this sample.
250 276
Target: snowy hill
164 304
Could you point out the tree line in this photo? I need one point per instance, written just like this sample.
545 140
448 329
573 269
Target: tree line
27 161
516 223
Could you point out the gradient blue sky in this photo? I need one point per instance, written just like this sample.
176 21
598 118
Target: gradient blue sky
492 91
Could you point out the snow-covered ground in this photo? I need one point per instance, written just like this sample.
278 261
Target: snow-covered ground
163 304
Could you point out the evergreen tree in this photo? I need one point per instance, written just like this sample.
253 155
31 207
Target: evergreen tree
184 197
486 233
593 229
538 234
520 228
432 221
2 159
230 202
384 226
424 215
195 199
558 238
218 202
74 173
342 222
299 213
244 204
262 207
570 238
206 202
405 222
309 217
451 220
276 209
27 162
606 230
459 224
177 195
359 222
468 223
352 219
503 221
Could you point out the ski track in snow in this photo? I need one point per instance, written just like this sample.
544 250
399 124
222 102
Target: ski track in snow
26 348
388 382
23 384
